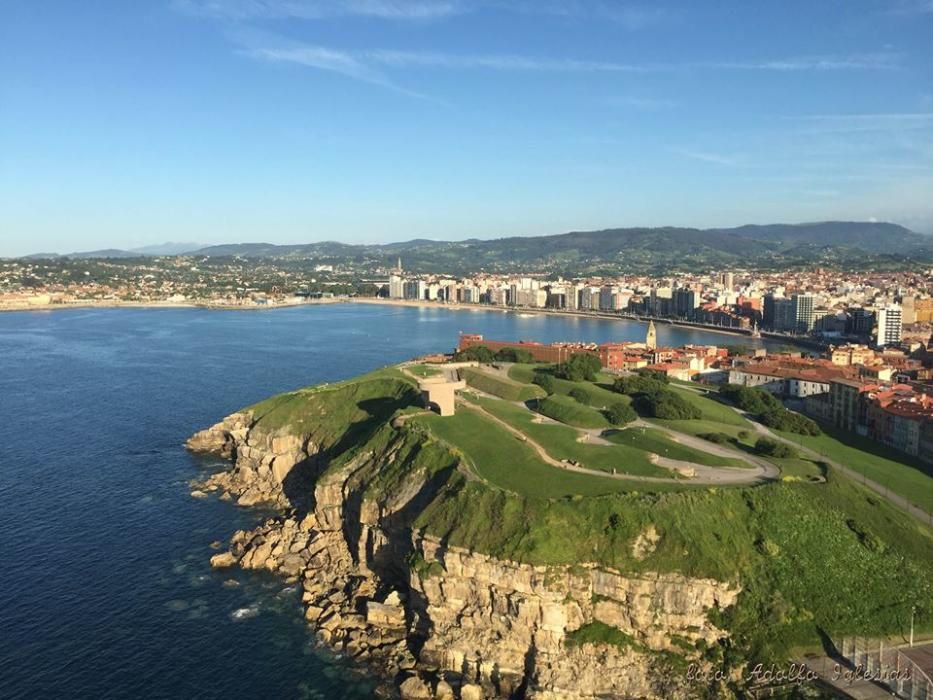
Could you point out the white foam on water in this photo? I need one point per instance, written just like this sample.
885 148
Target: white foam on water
244 613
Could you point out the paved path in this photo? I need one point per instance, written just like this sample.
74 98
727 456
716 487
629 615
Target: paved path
703 474
883 491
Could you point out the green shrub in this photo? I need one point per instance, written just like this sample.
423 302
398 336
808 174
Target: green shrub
580 367
597 632
620 413
749 399
666 405
790 422
774 448
579 394
718 438
545 381
475 353
515 355
639 384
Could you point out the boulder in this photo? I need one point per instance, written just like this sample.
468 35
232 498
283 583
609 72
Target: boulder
471 691
222 560
413 688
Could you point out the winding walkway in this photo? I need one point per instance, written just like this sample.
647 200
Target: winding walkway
893 498
703 475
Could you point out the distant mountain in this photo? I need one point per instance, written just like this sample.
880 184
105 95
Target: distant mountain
649 250
867 235
634 249
170 248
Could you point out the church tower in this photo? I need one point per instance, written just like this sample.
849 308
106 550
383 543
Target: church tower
651 341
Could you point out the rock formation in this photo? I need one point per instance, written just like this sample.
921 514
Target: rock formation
440 621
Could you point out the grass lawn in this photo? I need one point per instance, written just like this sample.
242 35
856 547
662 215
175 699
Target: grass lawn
424 370
659 443
903 476
505 461
500 386
572 412
796 468
699 427
561 442
599 395
712 409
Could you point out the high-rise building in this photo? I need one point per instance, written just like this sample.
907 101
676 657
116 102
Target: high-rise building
889 326
803 312
396 287
727 280
686 301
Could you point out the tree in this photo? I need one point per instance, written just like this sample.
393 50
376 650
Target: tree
620 413
582 366
475 353
639 384
579 395
545 381
666 405
514 355
774 448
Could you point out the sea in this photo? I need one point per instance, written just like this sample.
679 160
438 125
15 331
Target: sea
105 586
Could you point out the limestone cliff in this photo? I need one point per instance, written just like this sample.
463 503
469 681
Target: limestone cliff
441 621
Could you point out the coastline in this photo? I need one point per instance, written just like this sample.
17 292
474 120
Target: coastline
112 304
553 312
454 306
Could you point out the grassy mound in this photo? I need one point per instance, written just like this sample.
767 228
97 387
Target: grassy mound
572 412
330 413
500 386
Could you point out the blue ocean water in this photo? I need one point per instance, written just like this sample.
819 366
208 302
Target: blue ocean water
105 587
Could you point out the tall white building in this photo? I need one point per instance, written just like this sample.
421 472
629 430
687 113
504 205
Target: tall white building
889 325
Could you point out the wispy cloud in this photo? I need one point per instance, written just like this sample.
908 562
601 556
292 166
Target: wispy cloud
709 156
506 62
866 61
855 123
316 9
330 60
911 7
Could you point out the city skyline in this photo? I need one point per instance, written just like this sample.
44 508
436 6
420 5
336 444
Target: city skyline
376 121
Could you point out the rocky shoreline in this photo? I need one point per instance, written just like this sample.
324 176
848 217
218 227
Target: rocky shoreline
438 621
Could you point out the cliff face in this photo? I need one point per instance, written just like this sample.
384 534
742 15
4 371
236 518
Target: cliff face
441 621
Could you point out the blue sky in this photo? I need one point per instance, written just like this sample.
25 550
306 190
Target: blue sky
130 123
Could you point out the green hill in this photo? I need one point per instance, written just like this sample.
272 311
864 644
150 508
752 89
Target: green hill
811 558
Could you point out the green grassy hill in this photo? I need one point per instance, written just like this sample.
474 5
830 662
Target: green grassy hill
811 558
501 386
570 411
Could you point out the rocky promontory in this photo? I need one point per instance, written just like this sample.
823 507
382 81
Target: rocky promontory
436 619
